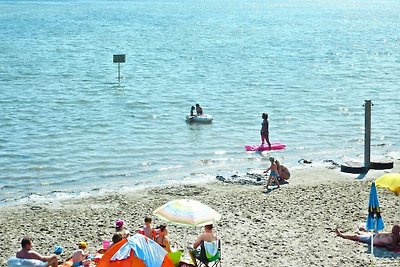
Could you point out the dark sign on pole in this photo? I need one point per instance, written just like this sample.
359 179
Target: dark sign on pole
119 58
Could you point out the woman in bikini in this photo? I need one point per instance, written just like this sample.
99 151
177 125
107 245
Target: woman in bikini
162 238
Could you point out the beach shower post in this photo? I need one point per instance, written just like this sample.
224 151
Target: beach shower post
119 59
357 167
367 138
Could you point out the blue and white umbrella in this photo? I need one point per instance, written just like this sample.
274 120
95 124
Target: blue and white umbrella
374 219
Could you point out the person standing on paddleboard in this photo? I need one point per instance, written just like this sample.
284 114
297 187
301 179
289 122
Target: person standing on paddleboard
264 130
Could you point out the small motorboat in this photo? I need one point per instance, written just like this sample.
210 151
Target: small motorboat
202 118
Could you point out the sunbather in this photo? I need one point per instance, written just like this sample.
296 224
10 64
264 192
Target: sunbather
26 252
147 229
207 236
388 240
162 238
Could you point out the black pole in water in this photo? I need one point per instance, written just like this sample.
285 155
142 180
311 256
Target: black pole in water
119 71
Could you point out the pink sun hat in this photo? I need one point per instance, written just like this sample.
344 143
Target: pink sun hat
119 223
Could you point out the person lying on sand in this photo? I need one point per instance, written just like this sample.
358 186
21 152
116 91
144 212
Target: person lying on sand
26 252
387 240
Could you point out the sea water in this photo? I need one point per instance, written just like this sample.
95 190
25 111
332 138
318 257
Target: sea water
68 127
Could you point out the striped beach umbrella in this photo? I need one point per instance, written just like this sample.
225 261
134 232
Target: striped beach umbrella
374 219
187 212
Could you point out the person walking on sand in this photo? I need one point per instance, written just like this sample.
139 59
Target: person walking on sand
199 110
265 130
273 174
26 252
387 240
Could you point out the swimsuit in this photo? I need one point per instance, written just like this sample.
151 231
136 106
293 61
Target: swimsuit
273 173
162 243
365 238
77 264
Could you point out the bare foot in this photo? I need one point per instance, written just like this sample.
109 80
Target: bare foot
338 233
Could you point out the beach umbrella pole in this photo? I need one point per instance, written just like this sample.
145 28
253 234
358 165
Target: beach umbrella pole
372 243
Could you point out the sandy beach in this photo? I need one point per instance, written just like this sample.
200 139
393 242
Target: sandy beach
290 226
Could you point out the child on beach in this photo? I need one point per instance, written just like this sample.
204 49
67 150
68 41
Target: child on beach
119 227
265 130
148 230
79 257
273 174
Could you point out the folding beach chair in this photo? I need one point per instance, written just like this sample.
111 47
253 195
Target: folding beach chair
210 254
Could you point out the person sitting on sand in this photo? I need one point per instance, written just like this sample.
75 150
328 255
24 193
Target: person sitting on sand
273 174
79 257
207 236
283 172
119 227
387 240
26 252
162 238
148 230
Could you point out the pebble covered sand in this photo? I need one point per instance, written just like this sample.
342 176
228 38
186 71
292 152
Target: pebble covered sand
291 226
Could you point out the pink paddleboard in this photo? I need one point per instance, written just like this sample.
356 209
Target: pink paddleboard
274 146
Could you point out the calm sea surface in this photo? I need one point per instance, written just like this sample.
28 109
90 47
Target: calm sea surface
68 128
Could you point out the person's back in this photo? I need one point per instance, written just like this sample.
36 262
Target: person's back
389 240
199 110
207 236
79 255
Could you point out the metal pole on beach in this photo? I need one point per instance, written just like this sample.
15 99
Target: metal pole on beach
367 139
372 243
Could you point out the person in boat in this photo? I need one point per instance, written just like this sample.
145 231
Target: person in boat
265 130
388 240
199 110
79 257
192 111
162 238
26 252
